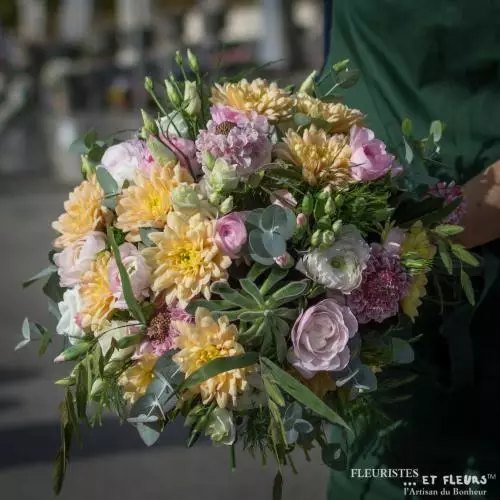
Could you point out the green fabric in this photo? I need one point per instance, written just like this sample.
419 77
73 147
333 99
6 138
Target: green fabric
428 60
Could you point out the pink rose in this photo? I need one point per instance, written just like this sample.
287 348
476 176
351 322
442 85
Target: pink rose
283 198
370 159
75 259
231 234
138 272
185 150
320 336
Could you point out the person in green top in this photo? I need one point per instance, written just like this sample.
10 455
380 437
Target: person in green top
435 60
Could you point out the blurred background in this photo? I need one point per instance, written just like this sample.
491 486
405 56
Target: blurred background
67 66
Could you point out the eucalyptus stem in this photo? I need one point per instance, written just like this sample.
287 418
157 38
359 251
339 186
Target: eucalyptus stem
232 452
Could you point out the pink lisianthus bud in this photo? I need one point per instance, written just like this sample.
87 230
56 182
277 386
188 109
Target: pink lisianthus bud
370 159
320 336
231 234
75 259
138 272
302 220
283 198
285 260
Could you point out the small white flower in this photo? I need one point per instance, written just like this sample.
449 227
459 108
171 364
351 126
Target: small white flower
339 267
70 307
122 160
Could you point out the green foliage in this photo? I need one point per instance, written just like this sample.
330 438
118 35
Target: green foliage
109 186
48 271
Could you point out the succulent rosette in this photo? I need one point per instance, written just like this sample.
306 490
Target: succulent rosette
247 261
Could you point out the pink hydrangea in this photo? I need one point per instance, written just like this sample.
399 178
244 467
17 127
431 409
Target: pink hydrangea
241 139
161 333
450 192
385 282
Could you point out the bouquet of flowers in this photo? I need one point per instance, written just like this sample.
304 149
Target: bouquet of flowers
245 262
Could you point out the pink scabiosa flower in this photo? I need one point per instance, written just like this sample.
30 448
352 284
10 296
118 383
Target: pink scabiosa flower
449 192
162 332
385 282
241 139
370 159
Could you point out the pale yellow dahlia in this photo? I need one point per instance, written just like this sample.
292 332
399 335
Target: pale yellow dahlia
320 384
416 291
340 117
136 379
203 341
265 98
147 202
95 292
84 213
186 258
324 159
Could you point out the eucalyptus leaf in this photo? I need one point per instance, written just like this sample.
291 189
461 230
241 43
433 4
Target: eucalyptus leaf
402 351
149 432
107 182
144 233
333 456
300 392
301 119
42 274
348 78
256 244
303 426
292 413
52 289
274 243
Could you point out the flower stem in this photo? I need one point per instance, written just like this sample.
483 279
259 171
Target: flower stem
233 457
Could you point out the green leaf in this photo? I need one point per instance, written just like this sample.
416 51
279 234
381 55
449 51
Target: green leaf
107 182
464 255
219 365
447 230
78 147
46 339
408 153
132 304
467 287
301 119
26 329
251 315
159 151
348 78
90 138
436 130
289 292
211 305
129 340
444 254
256 270
275 276
74 351
340 66
52 289
251 288
273 391
21 344
280 330
150 431
300 392
334 457
407 127
402 352
230 295
278 486
42 274
81 391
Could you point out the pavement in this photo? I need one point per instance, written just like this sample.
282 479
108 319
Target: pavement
113 462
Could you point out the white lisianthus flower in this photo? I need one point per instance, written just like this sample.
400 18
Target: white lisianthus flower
123 160
69 324
340 266
116 330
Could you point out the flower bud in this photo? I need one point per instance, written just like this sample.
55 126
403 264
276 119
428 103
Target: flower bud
193 61
178 57
339 200
223 176
308 204
220 427
148 84
208 160
330 207
227 205
337 226
307 85
149 123
214 198
87 167
302 220
358 205
97 387
173 94
316 238
327 238
285 261
192 101
184 197
325 222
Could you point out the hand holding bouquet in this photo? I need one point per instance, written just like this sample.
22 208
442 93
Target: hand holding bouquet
245 263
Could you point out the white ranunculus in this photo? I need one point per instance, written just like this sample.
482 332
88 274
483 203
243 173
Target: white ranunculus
69 323
339 267
116 330
75 259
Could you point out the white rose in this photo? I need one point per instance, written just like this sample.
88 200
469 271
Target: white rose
75 259
69 324
116 330
339 267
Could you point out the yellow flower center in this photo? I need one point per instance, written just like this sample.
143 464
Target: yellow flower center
206 354
155 206
186 258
